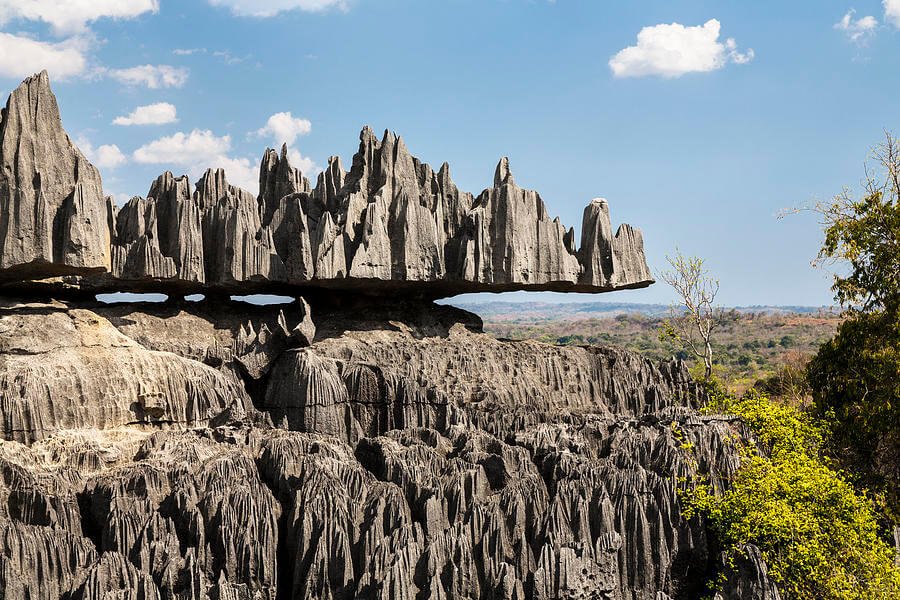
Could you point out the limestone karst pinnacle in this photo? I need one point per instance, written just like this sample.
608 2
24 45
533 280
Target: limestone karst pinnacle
54 218
342 445
390 224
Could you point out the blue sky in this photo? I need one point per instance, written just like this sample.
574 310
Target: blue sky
701 149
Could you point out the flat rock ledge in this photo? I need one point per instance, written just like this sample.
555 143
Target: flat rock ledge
389 225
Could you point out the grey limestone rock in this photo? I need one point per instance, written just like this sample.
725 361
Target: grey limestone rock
747 577
54 218
359 442
71 369
412 457
406 460
389 225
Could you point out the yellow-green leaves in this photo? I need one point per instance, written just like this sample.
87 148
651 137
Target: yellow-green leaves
818 536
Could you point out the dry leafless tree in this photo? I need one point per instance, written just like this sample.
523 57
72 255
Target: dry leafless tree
692 322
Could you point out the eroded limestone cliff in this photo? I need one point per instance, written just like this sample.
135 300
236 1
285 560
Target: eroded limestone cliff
345 445
211 450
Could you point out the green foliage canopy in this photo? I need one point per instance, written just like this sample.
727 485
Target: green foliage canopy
856 376
855 379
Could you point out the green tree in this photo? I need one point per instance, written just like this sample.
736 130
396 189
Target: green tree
855 377
865 234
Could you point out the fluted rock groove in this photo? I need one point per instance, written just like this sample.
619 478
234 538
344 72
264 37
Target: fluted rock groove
347 444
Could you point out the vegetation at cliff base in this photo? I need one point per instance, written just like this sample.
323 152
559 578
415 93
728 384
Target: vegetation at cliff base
855 377
751 348
819 536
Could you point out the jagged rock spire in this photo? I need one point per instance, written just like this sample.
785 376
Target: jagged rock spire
277 179
391 224
502 175
54 218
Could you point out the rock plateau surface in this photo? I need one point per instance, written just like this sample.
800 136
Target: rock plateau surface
343 445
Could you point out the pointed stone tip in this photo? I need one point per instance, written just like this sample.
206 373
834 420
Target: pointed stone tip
42 77
503 175
284 150
39 83
367 134
599 201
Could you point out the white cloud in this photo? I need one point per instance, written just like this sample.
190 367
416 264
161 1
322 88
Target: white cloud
270 8
306 165
188 51
152 76
672 50
196 151
183 149
150 114
72 16
858 31
228 58
892 12
241 172
22 56
106 156
284 128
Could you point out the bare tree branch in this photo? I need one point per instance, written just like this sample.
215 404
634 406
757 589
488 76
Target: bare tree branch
693 322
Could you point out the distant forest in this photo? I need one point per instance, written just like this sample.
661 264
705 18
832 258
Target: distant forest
752 344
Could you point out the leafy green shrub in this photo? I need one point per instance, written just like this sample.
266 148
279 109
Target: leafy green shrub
818 536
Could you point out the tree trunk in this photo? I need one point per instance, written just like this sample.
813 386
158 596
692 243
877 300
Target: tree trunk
707 360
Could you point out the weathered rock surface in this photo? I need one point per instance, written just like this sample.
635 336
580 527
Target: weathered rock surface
346 447
54 218
389 225
71 369
393 452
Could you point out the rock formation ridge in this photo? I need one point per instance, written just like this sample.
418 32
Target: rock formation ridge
389 224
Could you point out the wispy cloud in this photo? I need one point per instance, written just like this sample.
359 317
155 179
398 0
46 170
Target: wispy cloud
151 76
270 8
228 58
188 51
859 31
673 50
